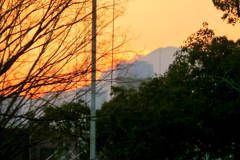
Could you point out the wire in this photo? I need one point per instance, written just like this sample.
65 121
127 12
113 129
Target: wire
113 27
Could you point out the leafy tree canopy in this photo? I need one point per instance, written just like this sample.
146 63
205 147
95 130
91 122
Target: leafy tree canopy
230 8
60 125
190 112
71 118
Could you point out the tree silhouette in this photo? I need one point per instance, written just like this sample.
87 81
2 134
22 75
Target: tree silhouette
190 112
45 49
231 9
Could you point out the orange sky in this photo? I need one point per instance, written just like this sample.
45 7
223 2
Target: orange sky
163 23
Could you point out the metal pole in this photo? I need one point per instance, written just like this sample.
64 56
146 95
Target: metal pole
93 84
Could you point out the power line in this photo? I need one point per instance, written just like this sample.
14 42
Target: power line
113 27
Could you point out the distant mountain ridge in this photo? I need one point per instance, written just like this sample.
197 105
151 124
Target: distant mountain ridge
144 67
160 58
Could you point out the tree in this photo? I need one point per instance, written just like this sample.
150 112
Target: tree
45 49
66 124
190 112
231 9
209 79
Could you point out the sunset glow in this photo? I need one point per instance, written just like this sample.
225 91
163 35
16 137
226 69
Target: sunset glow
49 48
21 69
50 45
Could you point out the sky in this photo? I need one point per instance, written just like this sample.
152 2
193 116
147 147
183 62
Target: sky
163 23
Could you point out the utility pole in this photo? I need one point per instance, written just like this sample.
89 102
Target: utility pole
93 84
